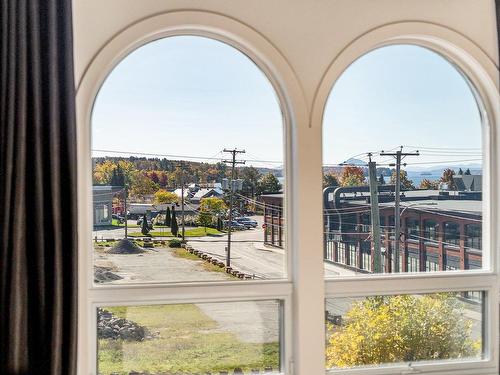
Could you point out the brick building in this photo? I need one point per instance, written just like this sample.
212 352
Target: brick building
440 230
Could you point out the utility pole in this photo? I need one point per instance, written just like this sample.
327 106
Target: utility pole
233 163
125 204
183 223
182 205
399 155
375 220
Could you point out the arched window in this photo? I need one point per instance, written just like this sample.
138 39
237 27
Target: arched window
188 177
402 137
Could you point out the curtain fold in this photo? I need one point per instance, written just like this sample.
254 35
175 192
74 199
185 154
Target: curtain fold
38 211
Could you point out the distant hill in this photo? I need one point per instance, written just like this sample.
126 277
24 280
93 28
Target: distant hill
356 162
475 168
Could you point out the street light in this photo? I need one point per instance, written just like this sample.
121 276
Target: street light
417 204
397 236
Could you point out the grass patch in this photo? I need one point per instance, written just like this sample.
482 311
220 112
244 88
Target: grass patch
195 232
187 343
183 253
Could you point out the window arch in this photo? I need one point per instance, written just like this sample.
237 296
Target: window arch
427 258
289 93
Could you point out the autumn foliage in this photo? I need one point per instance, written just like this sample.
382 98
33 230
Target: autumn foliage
404 328
352 176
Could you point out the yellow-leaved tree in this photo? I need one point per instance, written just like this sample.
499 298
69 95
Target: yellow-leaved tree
163 196
404 328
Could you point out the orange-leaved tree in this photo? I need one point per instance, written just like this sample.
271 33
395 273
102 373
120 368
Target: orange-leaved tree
352 176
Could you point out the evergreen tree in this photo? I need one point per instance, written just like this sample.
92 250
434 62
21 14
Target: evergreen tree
174 227
467 172
330 179
381 180
117 177
168 218
460 172
268 184
145 226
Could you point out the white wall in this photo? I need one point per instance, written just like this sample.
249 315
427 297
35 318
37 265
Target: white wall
309 33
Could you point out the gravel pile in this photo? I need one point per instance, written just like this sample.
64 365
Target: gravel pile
126 247
111 327
104 275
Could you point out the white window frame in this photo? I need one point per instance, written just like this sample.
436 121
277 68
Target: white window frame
304 290
291 101
482 75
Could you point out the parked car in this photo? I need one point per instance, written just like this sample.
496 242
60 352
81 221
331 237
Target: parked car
247 222
234 225
120 219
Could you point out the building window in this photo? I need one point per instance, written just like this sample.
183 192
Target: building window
413 262
101 214
366 256
341 252
451 262
353 255
430 230
365 223
431 262
413 228
473 236
451 234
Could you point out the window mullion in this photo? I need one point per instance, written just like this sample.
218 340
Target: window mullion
307 244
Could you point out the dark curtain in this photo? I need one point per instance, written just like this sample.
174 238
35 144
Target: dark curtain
38 217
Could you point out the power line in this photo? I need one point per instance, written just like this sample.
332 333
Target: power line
442 148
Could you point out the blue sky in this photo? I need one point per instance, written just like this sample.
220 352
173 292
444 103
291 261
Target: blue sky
194 96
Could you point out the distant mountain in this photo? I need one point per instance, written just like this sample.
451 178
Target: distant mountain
474 168
356 162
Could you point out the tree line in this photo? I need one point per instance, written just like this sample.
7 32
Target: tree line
149 176
355 176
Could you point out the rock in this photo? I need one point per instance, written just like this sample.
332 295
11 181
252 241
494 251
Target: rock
110 327
104 275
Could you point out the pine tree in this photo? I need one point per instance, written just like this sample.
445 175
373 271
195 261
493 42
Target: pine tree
381 180
145 226
460 172
467 172
168 218
174 227
118 177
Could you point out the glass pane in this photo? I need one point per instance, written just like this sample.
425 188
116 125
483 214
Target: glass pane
372 331
407 109
204 338
187 149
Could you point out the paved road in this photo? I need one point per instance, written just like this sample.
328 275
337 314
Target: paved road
248 252
250 255
117 233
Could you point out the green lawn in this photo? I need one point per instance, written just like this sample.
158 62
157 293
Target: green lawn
187 343
195 232
115 223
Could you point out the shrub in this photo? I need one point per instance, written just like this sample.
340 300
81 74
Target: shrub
401 328
174 243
